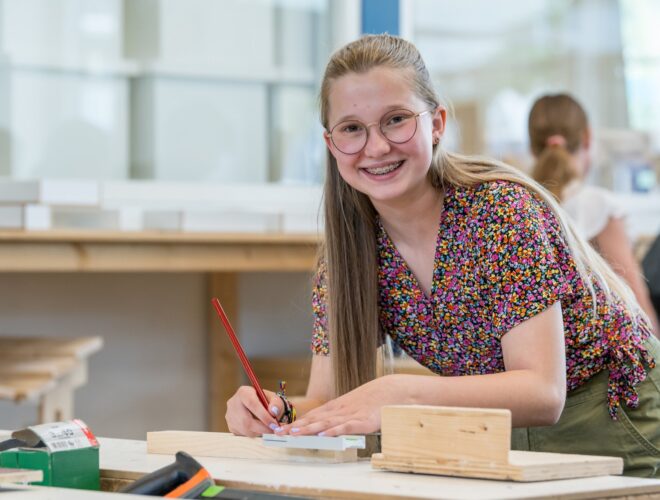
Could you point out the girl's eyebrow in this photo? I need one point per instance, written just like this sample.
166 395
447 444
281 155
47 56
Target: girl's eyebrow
386 110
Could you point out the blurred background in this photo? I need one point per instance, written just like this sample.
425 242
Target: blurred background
225 90
182 95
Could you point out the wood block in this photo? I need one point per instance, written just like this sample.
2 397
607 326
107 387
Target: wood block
448 433
472 442
20 476
226 445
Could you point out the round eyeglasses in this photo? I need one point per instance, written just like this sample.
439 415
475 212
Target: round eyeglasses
397 126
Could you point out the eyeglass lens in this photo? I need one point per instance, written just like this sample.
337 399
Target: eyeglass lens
397 126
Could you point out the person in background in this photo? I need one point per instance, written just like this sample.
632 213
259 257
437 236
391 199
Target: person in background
560 140
470 267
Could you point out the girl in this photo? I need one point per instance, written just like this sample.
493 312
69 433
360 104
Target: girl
560 139
469 266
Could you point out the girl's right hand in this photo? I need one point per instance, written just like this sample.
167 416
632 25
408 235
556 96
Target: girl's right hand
246 416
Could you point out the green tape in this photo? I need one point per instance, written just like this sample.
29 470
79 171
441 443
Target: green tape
212 491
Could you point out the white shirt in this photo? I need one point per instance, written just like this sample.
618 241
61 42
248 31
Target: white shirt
590 208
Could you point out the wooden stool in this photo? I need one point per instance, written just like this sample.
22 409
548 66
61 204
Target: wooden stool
46 371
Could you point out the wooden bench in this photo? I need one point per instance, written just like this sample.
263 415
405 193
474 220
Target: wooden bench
46 371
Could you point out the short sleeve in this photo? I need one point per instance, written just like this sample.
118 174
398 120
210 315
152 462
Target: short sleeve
528 266
591 209
319 298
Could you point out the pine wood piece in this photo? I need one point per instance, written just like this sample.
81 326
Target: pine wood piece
226 445
472 442
48 347
20 476
90 250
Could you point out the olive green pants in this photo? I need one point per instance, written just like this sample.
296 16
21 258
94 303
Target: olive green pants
585 426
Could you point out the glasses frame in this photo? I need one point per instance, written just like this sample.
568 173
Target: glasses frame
380 127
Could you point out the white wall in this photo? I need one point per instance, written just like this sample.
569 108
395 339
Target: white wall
151 373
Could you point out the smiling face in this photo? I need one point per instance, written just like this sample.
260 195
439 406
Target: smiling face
386 172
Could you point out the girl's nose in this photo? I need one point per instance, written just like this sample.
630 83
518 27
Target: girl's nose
377 145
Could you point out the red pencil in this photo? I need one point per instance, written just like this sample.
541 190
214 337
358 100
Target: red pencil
240 352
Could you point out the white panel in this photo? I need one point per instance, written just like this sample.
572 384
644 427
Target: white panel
235 35
298 148
62 31
211 131
297 38
68 125
5 106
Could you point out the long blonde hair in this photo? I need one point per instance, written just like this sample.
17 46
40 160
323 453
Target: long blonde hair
350 250
561 116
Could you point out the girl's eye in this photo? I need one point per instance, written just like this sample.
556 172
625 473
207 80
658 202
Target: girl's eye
396 119
351 128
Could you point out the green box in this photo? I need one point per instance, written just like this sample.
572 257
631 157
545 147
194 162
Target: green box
67 468
66 452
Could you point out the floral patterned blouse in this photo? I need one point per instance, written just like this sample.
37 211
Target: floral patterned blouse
500 259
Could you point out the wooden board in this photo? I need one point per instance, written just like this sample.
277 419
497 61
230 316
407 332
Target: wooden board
472 442
50 367
226 445
31 347
523 466
20 476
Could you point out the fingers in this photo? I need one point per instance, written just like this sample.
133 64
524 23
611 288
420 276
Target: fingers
313 424
247 426
276 406
251 402
246 416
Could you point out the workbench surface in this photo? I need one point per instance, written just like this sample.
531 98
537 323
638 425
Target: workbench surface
128 459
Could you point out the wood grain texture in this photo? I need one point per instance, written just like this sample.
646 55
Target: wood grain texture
22 348
523 466
472 442
446 433
226 445
20 476
89 251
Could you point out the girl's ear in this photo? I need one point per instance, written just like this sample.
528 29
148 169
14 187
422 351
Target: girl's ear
439 121
328 141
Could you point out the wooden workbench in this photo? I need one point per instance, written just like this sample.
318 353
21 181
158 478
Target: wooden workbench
123 461
221 256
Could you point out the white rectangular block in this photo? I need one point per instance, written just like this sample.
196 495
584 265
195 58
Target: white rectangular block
230 222
162 220
27 217
338 443
120 219
50 192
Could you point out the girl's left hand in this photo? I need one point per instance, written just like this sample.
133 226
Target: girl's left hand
356 412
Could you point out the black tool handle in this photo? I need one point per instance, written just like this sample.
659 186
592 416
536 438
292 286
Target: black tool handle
160 482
